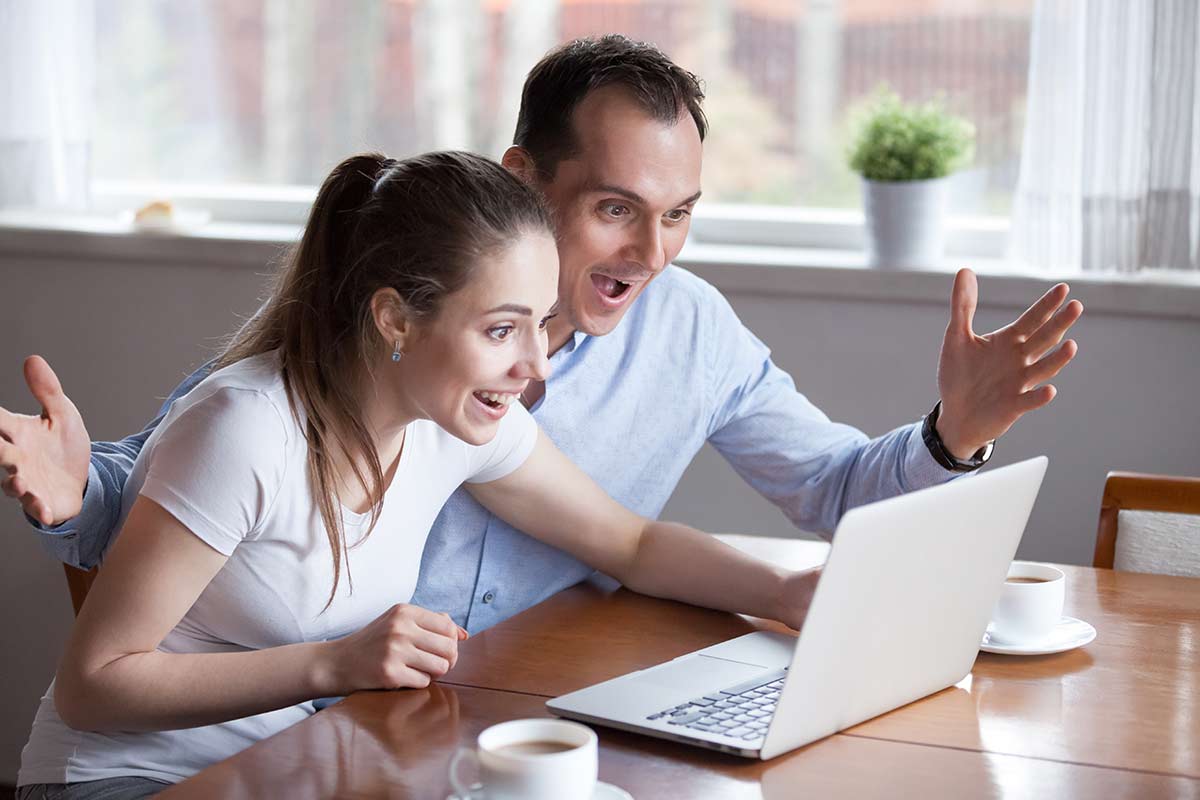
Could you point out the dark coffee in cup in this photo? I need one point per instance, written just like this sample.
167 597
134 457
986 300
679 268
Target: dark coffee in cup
1026 580
535 748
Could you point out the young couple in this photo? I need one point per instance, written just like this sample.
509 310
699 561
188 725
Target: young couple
274 520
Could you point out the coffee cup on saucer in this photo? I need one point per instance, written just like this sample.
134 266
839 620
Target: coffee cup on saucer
529 759
1030 604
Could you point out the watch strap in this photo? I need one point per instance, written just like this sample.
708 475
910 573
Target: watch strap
937 448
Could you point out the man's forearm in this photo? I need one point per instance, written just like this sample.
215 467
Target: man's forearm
681 563
82 539
165 691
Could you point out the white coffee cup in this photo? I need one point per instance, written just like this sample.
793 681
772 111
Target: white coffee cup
530 759
1030 604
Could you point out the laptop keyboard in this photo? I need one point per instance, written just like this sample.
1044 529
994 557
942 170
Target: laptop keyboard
742 711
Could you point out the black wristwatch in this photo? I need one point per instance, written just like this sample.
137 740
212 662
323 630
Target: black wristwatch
941 455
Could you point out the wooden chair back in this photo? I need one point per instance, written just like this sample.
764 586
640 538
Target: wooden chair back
78 583
1134 491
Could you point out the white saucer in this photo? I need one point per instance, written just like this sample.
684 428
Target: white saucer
604 791
1068 634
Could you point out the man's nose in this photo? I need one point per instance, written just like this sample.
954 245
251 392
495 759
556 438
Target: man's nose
648 250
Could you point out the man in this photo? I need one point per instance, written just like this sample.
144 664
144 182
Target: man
649 362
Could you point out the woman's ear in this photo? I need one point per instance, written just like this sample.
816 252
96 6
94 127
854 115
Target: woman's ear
392 318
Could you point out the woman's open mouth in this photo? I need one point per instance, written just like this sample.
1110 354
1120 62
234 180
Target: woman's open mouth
495 404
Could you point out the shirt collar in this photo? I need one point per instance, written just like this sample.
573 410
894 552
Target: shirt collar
572 344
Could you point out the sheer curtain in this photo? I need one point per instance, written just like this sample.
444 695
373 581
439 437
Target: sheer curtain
1110 166
46 73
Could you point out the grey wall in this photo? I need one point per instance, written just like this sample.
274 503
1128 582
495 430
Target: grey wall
119 337
122 335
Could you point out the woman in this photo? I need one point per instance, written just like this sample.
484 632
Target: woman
249 577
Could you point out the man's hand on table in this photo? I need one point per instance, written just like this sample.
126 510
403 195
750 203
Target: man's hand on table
987 382
44 458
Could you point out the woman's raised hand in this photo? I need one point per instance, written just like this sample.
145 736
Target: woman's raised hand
405 647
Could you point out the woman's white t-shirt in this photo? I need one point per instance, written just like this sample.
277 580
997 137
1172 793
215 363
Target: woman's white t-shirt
230 463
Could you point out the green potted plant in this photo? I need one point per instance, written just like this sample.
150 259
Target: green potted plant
905 154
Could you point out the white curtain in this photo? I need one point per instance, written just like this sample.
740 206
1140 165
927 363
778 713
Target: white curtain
47 66
1110 165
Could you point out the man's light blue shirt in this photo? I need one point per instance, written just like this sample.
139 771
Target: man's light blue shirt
631 409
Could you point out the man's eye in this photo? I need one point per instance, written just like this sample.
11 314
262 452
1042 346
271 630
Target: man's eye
545 321
500 332
616 210
678 215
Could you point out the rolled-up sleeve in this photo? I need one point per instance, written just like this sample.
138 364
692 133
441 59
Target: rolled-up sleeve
813 469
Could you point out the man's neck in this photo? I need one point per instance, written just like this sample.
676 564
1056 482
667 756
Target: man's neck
558 332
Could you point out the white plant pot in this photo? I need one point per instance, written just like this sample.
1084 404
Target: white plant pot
905 223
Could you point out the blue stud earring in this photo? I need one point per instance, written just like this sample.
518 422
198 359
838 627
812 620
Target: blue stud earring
396 351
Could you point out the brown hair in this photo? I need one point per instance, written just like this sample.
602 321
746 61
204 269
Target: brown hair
418 226
566 75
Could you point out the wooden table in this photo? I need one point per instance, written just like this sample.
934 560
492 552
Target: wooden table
1118 718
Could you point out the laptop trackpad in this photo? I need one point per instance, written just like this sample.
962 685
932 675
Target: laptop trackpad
699 674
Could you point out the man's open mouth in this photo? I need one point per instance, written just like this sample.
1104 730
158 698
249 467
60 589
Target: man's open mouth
610 287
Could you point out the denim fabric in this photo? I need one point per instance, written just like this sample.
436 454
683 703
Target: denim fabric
128 788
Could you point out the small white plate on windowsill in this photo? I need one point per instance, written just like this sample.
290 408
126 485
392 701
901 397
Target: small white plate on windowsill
181 220
1068 634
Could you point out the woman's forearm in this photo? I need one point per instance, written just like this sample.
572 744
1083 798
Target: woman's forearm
680 563
164 691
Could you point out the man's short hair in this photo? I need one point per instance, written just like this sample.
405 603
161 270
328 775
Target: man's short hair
565 75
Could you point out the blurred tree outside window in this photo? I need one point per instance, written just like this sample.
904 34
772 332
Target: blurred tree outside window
275 92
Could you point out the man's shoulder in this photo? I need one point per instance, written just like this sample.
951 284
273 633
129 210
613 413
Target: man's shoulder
679 281
678 294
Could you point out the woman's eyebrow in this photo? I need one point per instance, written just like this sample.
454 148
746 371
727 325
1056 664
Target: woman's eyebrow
511 308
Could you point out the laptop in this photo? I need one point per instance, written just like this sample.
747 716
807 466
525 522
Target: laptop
899 613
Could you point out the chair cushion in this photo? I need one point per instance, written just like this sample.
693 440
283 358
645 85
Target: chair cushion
1158 542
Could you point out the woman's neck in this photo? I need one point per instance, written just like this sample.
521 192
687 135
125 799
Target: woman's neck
385 424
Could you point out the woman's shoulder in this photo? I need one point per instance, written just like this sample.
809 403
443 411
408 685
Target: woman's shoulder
247 397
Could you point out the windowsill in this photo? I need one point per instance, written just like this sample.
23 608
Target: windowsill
733 268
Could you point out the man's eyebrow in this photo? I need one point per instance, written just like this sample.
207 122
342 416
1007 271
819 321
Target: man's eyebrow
629 194
511 308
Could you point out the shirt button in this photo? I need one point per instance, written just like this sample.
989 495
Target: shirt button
489 597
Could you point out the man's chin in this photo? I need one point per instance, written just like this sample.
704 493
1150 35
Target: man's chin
599 320
601 324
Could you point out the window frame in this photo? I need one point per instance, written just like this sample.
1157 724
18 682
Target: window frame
743 225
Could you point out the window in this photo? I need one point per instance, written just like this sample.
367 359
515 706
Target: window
274 92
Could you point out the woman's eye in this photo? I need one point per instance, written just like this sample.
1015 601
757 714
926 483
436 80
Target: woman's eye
500 332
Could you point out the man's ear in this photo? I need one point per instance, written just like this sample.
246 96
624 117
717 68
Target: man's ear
519 162
392 318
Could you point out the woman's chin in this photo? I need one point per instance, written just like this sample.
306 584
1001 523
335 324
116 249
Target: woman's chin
474 432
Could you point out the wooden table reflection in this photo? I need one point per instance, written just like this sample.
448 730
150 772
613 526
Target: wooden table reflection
1118 718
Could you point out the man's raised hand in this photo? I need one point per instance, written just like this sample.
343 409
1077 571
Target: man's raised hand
44 459
987 382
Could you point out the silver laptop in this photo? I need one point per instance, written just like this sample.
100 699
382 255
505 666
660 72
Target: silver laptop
898 614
